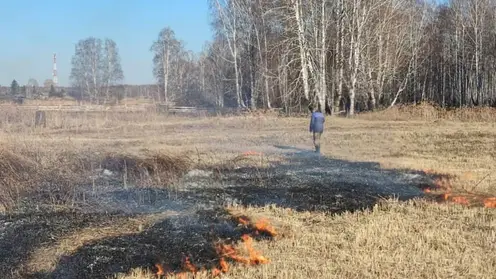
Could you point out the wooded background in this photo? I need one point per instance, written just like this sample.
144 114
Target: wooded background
346 55
352 54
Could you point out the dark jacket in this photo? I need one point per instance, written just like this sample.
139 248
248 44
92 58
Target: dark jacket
317 122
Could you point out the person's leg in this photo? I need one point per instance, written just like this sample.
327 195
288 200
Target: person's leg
314 138
316 141
320 137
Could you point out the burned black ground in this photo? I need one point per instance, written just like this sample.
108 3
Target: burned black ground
305 182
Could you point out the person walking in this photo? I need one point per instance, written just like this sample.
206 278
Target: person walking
317 127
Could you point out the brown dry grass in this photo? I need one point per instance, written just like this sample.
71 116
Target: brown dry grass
51 172
396 240
69 101
433 112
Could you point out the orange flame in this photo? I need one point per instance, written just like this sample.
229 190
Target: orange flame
264 226
163 270
261 225
160 269
255 257
215 272
224 267
463 200
243 221
444 183
460 200
490 202
446 196
189 266
226 251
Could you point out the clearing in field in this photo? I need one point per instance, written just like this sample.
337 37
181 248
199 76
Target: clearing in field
145 195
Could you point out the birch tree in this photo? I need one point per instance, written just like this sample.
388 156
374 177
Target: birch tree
96 67
86 67
112 70
306 69
365 55
324 22
32 88
357 15
417 19
166 50
226 14
213 71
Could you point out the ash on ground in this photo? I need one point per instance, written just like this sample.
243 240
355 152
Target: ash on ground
305 182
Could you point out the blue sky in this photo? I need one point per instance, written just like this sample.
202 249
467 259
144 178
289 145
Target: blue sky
32 30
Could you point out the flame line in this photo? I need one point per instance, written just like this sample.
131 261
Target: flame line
228 252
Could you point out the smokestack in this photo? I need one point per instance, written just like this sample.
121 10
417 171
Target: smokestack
54 78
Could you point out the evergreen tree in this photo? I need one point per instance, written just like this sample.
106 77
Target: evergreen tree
52 92
14 88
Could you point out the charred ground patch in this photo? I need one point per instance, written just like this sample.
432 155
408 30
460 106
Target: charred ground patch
309 182
22 234
188 240
185 242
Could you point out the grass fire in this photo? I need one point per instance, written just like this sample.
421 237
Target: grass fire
116 195
244 254
248 139
443 184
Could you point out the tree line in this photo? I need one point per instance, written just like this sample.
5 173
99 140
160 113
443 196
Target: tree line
343 55
31 90
349 55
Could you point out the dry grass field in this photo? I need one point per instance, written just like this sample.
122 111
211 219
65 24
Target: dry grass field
133 195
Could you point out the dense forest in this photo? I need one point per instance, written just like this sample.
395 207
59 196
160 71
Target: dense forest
350 55
344 55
